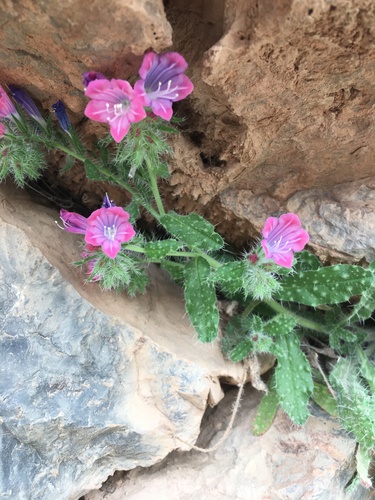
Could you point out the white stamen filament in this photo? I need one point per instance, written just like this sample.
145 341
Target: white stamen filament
168 89
110 232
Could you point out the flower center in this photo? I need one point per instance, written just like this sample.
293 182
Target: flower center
116 110
110 232
280 245
167 90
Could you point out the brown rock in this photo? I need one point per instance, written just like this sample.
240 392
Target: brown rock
45 46
283 101
314 461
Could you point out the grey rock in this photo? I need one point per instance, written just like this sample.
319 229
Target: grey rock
315 461
88 387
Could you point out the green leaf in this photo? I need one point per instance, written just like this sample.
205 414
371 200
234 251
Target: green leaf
200 297
324 399
364 458
293 378
241 350
266 411
339 337
356 403
155 250
306 261
366 306
175 269
230 276
327 285
193 230
367 369
281 324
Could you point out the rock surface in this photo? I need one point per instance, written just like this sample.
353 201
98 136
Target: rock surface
286 463
282 109
88 387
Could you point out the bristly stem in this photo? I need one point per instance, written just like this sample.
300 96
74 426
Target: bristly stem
306 323
154 187
110 177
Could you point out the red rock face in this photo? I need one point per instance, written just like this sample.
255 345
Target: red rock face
282 112
45 46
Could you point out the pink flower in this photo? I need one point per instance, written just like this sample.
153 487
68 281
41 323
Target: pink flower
282 237
163 82
74 223
113 101
108 228
7 108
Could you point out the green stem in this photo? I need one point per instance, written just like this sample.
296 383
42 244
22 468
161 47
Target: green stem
306 323
250 307
136 248
111 177
154 187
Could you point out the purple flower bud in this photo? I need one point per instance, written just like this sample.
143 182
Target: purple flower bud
73 223
61 115
107 202
90 76
27 104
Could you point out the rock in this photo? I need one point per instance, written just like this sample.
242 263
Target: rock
45 47
283 104
288 462
90 381
340 219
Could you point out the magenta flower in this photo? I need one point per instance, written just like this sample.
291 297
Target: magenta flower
7 108
91 76
113 102
108 228
74 223
282 237
163 82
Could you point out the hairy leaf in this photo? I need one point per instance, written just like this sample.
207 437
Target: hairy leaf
158 249
324 399
327 285
293 378
193 230
200 297
266 411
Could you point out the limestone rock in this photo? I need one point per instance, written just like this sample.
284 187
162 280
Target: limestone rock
45 46
90 381
288 462
283 104
283 101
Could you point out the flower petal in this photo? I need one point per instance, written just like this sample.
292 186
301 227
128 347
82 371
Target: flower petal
119 128
162 108
111 248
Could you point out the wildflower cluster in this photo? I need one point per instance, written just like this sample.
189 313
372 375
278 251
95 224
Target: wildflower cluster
287 303
114 101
